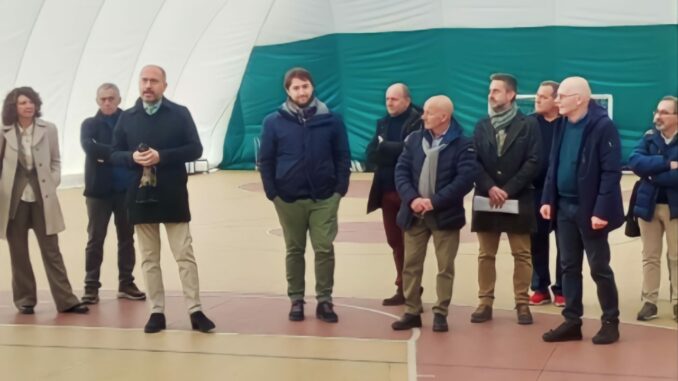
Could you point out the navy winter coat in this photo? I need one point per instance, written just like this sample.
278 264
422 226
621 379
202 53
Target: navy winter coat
304 159
457 170
650 160
598 173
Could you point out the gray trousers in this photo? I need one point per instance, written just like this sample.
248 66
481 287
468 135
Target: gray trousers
30 215
99 212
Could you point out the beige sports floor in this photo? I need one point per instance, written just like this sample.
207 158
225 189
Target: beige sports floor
241 262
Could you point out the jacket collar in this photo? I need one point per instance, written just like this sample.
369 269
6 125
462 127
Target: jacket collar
100 116
513 131
452 134
139 105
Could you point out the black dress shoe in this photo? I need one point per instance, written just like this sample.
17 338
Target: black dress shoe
156 323
568 331
26 310
440 323
408 321
325 312
396 300
200 322
79 308
297 311
608 334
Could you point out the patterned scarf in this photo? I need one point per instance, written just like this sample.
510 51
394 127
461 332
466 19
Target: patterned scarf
501 120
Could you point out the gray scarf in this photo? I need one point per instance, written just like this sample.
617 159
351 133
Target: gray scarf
315 107
427 179
501 120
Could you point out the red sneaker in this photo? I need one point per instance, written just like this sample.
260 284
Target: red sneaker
539 298
559 301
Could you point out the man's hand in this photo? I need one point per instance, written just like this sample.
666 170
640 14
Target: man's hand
674 164
545 211
417 205
597 223
147 158
497 197
428 206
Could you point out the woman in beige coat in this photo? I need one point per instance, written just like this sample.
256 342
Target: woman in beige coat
29 175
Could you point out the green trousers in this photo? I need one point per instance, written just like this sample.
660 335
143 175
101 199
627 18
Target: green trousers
319 219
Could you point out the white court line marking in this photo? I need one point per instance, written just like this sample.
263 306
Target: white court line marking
411 342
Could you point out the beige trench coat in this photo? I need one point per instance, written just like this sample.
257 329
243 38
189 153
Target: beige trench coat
47 161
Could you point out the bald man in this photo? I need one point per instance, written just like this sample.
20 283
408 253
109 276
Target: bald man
154 139
435 171
382 154
582 197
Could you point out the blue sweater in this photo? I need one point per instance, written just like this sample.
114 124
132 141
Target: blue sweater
569 158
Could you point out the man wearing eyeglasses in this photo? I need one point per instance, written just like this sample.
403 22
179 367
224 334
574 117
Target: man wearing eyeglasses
655 160
582 197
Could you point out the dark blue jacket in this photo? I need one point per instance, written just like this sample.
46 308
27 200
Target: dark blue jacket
651 161
304 158
457 170
598 173
96 138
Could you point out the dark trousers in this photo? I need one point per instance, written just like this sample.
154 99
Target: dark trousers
99 212
541 274
390 204
30 215
572 246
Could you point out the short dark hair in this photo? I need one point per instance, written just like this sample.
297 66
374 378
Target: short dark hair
9 113
675 102
298 73
553 84
510 81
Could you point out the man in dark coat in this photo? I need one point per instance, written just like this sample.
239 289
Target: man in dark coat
508 147
548 117
156 137
582 197
434 173
655 160
105 187
382 154
305 164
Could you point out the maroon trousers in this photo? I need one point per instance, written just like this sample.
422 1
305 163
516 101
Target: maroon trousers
390 204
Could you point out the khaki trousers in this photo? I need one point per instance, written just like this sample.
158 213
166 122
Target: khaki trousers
651 237
446 243
179 237
522 266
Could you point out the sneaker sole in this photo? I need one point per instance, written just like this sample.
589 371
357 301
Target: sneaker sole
646 318
546 301
90 302
122 295
296 318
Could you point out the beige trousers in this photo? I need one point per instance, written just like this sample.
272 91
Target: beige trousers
446 243
179 236
522 266
651 236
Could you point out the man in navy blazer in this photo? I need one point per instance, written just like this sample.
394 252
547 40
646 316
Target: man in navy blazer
582 197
